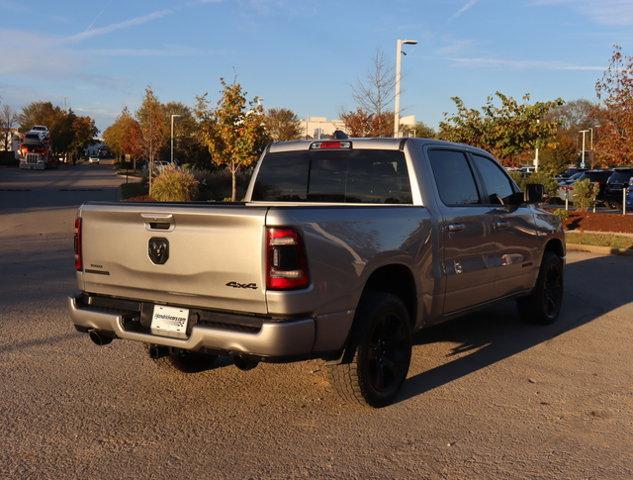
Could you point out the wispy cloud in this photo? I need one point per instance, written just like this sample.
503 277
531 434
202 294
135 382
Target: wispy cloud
605 12
487 62
113 27
467 6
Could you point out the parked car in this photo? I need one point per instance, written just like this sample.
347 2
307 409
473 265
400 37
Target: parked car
341 250
598 176
619 179
569 172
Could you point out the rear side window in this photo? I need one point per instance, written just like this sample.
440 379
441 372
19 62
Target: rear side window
454 178
601 177
620 176
494 178
342 176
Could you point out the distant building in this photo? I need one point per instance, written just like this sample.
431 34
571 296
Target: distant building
321 127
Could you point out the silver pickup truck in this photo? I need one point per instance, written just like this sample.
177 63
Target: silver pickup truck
341 250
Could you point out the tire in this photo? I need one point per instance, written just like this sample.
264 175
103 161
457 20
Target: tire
378 354
543 305
186 362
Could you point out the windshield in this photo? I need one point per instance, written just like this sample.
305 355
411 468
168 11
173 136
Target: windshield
344 176
620 176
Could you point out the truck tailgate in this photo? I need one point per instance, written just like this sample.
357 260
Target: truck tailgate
214 258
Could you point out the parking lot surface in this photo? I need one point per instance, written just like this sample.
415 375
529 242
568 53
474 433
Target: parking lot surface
487 396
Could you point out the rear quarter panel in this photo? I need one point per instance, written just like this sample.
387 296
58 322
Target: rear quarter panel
345 245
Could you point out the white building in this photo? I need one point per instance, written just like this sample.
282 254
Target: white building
318 127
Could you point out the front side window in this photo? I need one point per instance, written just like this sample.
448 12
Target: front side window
454 178
495 180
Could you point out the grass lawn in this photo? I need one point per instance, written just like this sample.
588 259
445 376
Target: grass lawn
600 240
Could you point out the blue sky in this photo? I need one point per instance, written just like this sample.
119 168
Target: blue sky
98 56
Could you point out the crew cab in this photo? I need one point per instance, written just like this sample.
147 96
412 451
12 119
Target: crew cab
341 250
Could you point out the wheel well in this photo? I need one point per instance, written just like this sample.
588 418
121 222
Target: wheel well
556 246
397 280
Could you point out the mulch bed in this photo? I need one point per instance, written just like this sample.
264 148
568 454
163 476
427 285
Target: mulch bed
599 222
140 198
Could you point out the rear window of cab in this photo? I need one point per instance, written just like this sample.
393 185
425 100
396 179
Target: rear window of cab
337 176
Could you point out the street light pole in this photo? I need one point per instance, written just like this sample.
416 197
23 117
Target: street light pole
396 110
584 134
536 157
172 137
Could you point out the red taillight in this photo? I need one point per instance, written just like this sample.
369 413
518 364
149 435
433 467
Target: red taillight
336 144
78 259
286 261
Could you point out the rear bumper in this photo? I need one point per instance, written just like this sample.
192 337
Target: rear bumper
274 339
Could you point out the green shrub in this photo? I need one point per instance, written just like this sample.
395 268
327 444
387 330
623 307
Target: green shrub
174 185
561 213
584 194
541 177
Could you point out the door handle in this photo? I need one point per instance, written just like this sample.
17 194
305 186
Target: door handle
500 224
456 227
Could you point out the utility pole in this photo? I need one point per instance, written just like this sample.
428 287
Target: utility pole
536 158
584 134
172 137
396 110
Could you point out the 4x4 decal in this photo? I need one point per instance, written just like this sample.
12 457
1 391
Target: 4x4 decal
242 285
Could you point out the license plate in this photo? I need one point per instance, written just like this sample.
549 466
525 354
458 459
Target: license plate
170 321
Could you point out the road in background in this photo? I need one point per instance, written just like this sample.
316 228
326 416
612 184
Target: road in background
487 396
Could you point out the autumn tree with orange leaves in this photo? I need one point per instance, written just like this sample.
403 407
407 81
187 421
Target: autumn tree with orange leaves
234 132
124 136
615 92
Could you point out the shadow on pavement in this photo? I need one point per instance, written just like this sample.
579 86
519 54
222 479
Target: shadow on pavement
36 342
497 332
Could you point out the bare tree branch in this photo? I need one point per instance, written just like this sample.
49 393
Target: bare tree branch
375 93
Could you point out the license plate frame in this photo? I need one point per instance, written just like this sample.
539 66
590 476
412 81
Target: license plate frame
170 321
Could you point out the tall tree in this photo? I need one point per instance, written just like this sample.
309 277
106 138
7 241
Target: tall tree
615 91
69 134
234 131
124 136
374 94
84 131
8 120
188 145
151 118
282 124
507 128
39 113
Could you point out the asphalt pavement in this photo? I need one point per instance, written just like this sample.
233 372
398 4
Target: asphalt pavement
487 396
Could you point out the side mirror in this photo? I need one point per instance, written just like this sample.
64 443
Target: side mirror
534 193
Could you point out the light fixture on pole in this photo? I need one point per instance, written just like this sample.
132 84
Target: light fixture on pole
172 137
396 110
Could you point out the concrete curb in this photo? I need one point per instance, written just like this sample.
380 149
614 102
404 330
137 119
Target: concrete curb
579 247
